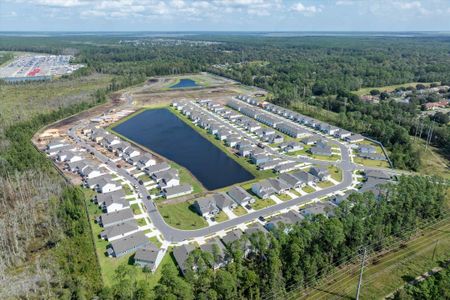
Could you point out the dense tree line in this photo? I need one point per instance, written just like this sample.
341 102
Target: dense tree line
296 257
436 286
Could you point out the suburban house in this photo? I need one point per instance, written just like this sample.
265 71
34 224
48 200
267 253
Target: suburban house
267 187
342 134
273 138
376 175
76 166
206 206
177 191
367 149
217 250
113 201
291 180
116 217
259 159
146 257
69 156
181 254
305 177
287 219
103 184
164 166
90 172
128 244
290 130
240 196
321 149
270 164
129 153
318 208
119 230
143 161
55 144
354 138
245 151
321 173
291 146
235 236
311 140
286 167
255 228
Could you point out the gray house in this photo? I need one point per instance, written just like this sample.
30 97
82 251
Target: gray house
146 256
291 181
116 217
128 244
217 250
240 196
321 173
181 255
321 149
206 206
120 230
157 168
177 191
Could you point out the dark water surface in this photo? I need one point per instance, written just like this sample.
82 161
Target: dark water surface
164 133
184 83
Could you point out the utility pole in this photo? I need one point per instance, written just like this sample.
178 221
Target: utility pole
363 261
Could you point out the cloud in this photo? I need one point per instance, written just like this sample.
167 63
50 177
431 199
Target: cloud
408 5
299 7
60 3
345 2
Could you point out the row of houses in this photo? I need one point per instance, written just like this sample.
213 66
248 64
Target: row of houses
236 237
295 117
287 181
243 146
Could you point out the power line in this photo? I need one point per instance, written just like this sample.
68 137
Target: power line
361 274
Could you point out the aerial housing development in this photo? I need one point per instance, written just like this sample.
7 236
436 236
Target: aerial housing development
293 166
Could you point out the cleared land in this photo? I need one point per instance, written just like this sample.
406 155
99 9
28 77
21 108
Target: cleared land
181 215
388 88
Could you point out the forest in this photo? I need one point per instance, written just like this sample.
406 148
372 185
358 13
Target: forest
301 73
286 259
319 71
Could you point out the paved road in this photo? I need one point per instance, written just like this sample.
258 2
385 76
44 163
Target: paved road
175 235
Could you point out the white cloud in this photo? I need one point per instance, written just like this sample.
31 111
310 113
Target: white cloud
60 3
408 5
299 7
345 2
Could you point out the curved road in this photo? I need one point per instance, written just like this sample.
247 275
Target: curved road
175 235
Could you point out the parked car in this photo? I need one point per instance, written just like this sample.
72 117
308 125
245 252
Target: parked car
262 219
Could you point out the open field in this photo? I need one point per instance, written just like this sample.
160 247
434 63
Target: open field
44 97
335 173
181 216
387 272
433 163
371 162
388 88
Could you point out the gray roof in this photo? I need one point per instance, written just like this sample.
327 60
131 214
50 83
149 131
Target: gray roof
181 254
232 236
119 229
115 217
147 254
377 174
129 243
206 205
290 180
179 189
99 180
239 195
223 200
304 177
255 227
116 195
210 247
158 168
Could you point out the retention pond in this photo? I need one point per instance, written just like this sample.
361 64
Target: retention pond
164 133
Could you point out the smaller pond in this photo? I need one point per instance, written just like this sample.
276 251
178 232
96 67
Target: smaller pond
184 83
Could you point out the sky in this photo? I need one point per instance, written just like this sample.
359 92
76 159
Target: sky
224 15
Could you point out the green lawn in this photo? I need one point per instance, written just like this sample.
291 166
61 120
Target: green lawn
325 184
295 192
181 216
221 216
284 197
371 163
335 173
306 152
239 211
262 203
126 188
307 189
155 241
141 222
108 265
135 208
187 177
144 178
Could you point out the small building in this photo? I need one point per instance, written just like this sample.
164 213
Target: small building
164 166
319 208
206 207
342 134
146 257
259 159
288 219
181 254
116 217
245 151
56 144
240 196
365 149
218 252
286 167
321 149
177 191
355 138
291 146
372 156
291 181
119 230
321 173
128 244
311 140
305 178
90 172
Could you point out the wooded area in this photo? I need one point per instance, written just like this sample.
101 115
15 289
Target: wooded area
46 220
